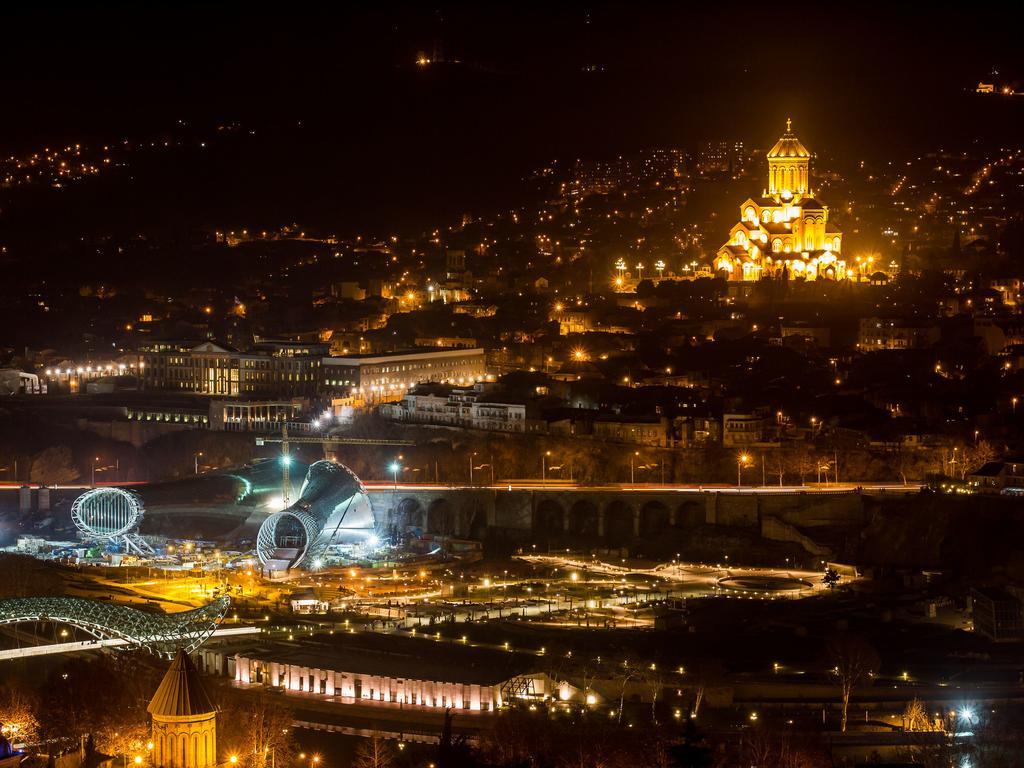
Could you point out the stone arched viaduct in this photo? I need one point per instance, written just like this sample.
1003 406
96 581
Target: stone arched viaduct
611 515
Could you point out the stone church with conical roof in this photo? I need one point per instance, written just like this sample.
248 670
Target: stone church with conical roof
184 719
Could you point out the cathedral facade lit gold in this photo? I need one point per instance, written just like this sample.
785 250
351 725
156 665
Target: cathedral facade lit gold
785 232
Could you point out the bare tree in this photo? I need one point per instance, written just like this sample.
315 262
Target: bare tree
801 751
976 456
802 462
854 661
258 727
778 464
373 752
704 674
655 682
18 719
901 462
758 747
627 671
915 718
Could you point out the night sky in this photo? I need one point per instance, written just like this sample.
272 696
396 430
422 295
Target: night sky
521 84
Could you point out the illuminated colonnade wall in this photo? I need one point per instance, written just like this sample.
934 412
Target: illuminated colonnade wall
354 686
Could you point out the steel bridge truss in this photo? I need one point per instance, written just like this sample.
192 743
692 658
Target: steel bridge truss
159 633
518 688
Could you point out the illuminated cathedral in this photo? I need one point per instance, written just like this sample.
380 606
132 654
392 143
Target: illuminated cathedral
785 232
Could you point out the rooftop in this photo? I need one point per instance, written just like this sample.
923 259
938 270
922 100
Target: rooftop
418 658
788 145
411 354
181 692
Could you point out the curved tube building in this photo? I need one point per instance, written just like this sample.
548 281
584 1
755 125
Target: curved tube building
332 509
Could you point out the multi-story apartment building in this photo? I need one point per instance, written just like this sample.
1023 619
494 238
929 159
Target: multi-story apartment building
387 377
652 431
740 429
470 407
891 333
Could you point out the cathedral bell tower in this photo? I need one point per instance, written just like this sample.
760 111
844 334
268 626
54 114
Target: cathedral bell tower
788 166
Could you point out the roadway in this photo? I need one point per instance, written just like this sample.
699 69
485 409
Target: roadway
558 485
531 485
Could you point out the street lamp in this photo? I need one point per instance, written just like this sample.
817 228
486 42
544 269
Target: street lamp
94 460
741 461
196 457
632 468
395 468
544 467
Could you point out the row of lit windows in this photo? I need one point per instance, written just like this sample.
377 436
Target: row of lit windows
294 365
277 376
178 418
224 362
428 365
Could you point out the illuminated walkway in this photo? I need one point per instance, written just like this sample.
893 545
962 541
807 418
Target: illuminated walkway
92 645
161 634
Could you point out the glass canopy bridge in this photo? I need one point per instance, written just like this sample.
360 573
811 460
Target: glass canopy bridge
116 625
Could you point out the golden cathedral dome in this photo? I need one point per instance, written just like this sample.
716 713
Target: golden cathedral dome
788 145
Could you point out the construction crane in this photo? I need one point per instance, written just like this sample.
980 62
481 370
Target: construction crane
286 461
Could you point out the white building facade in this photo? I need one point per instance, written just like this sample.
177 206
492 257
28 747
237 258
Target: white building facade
384 378
469 407
350 687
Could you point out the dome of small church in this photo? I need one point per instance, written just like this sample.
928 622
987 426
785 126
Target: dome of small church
181 693
184 719
789 145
